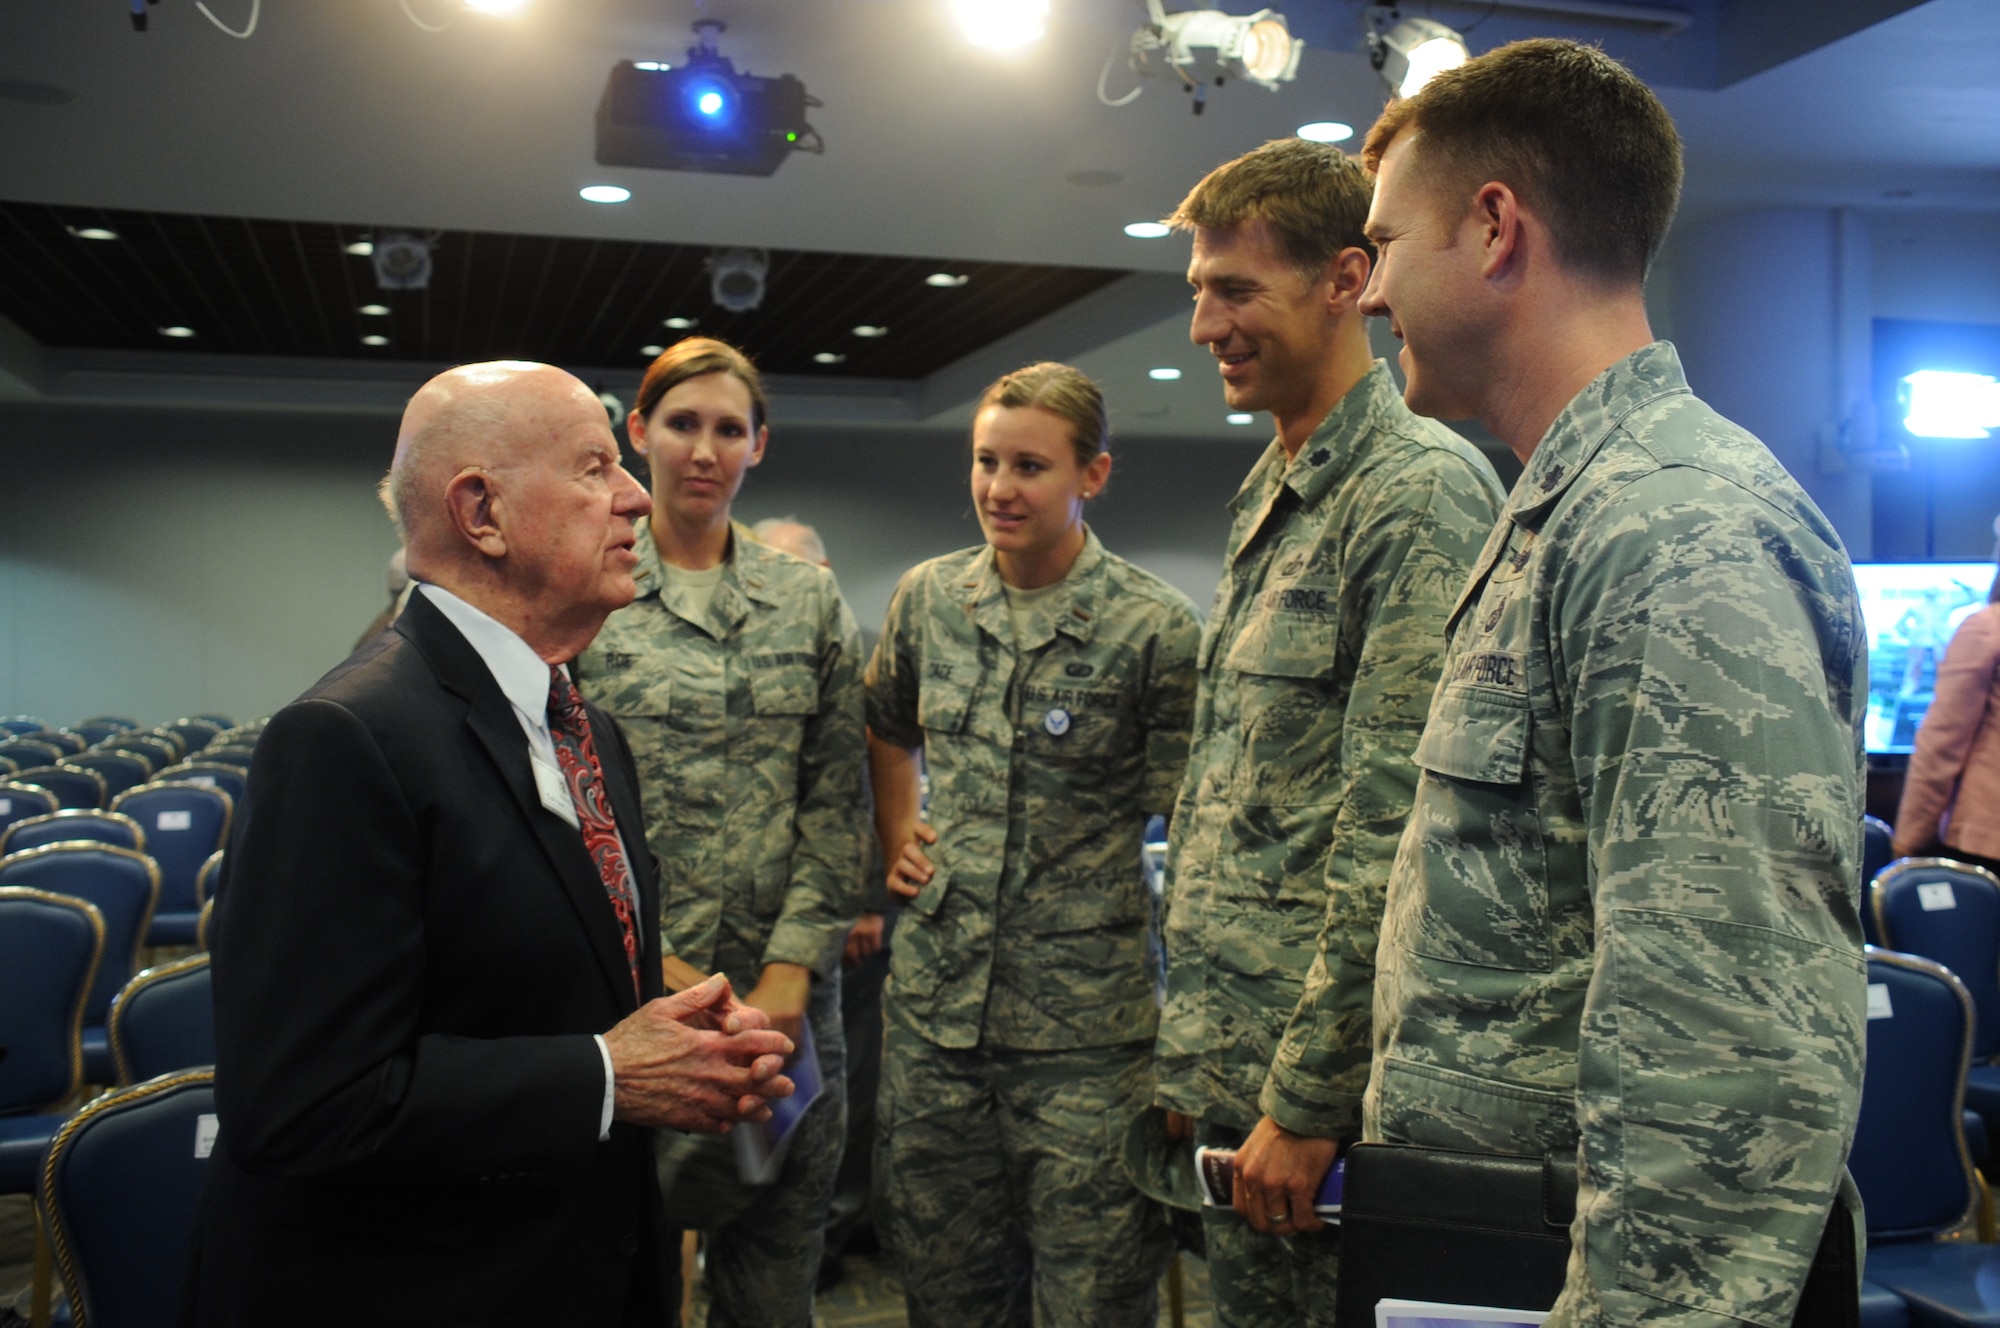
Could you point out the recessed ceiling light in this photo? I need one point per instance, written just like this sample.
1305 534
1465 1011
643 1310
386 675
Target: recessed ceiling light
498 8
1002 25
1240 417
374 310
604 193
374 339
1163 375
679 324
946 279
91 233
1148 230
361 248
1326 131
828 357
651 351
176 330
870 330
652 66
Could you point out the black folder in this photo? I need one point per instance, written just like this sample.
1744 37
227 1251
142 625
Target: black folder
1491 1229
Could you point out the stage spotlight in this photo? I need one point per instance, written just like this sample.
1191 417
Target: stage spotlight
736 278
1204 46
1413 51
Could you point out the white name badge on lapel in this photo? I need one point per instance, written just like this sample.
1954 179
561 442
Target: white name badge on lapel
554 790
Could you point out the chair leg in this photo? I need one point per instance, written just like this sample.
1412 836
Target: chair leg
1176 1293
1985 1212
40 1297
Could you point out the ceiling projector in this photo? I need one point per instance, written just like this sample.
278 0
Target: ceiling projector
701 115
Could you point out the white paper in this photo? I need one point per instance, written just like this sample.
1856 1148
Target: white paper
1434 1314
206 781
181 820
1936 895
554 790
1878 1001
6 806
204 1135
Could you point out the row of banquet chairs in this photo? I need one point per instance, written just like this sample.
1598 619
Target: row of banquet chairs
115 1182
91 763
1931 1093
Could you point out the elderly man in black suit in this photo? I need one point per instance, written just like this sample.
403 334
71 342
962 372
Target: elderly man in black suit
440 1033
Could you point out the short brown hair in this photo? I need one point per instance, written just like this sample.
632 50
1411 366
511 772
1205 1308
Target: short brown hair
694 357
1313 196
1064 392
1574 133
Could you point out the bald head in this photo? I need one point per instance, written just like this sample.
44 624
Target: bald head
508 493
793 536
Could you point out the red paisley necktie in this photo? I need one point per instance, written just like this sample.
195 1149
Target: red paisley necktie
576 753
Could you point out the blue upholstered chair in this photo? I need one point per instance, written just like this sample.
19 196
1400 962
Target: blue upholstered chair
185 825
26 752
121 770
204 880
1950 911
99 827
1909 1158
161 749
119 1195
21 724
237 754
125 886
195 733
73 785
63 740
95 731
50 947
231 779
1876 853
203 925
122 722
164 1020
223 722
19 801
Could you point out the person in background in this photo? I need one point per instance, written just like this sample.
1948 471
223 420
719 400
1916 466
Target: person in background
399 595
1623 922
1351 538
441 1047
1951 794
736 672
1045 685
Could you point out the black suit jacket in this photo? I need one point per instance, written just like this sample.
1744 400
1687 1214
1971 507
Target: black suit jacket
411 956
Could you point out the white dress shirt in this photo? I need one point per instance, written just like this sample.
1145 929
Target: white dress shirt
524 680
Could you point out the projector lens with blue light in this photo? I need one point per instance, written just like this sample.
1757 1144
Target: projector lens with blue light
699 118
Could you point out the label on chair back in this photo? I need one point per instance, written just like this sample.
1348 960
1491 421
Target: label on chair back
1878 1001
1935 896
206 781
174 821
6 806
204 1135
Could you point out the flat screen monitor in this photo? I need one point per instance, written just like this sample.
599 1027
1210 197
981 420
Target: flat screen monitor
1911 610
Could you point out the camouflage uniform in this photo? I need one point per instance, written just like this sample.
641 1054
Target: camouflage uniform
1318 660
1623 920
1020 999
747 732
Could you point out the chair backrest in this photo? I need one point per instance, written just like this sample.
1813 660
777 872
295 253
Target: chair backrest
230 753
26 752
124 885
21 724
230 779
185 825
119 1194
1948 911
153 759
223 722
73 785
196 733
1876 853
164 1020
19 801
162 751
115 721
205 922
99 827
95 731
1909 1156
121 770
64 741
50 947
204 880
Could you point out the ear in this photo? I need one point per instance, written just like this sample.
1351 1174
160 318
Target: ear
757 452
1096 475
1347 275
1498 229
472 500
635 432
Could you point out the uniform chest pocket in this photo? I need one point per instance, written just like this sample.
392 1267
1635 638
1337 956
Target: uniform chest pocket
942 706
788 690
1284 670
1479 830
1293 632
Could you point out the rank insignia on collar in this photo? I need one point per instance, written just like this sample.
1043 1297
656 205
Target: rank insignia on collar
1320 456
